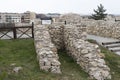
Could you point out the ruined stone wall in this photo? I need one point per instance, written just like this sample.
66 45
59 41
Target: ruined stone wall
70 18
45 49
108 28
56 34
73 38
56 31
104 28
86 54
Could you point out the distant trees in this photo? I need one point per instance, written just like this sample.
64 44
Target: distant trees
99 13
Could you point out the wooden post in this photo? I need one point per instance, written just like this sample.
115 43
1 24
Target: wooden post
32 30
14 33
65 22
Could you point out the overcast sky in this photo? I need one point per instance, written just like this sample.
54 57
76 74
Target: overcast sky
59 6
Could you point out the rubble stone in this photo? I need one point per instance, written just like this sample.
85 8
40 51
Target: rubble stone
17 69
85 54
45 49
104 28
49 38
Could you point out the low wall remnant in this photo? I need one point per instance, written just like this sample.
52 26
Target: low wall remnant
45 49
86 54
49 38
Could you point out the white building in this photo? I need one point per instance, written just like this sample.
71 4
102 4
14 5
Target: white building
28 17
10 18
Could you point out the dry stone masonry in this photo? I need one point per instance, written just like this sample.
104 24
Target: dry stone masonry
45 49
86 54
49 38
104 28
108 28
70 18
56 33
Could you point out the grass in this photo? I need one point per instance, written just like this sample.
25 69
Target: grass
112 60
22 53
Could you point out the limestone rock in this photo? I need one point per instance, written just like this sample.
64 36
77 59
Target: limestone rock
45 49
104 28
49 38
86 54
17 69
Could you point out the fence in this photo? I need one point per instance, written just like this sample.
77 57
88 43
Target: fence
11 31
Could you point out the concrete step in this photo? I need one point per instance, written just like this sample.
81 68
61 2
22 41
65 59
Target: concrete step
112 45
115 48
117 53
108 43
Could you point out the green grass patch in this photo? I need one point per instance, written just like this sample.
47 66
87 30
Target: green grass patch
91 41
22 53
112 60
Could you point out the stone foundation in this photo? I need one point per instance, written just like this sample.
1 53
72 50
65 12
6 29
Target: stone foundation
73 38
87 55
104 28
56 34
45 49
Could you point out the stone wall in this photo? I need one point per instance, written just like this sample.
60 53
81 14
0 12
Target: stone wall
87 55
73 38
70 18
104 28
56 33
45 49
108 28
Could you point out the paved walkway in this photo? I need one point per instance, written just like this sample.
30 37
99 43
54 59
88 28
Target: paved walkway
101 40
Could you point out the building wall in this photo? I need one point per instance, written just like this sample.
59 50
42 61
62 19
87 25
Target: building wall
2 19
10 18
28 16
